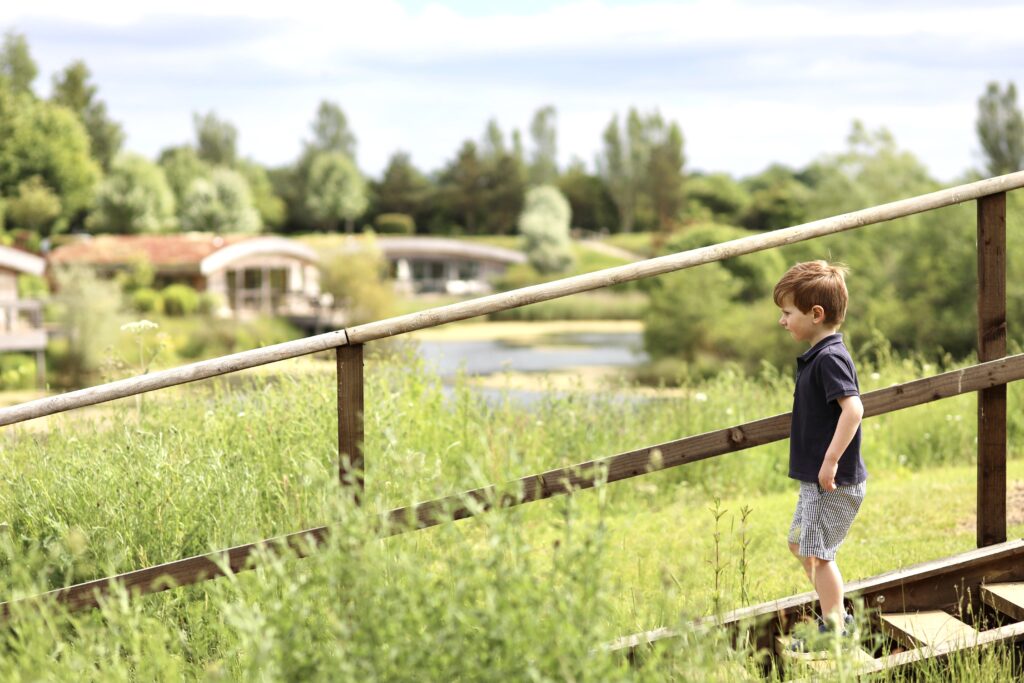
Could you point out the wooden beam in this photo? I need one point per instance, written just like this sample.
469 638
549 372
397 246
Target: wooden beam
506 300
540 486
991 491
350 418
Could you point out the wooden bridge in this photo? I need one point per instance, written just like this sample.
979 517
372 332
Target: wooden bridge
922 607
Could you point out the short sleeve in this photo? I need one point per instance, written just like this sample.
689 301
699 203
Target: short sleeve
838 377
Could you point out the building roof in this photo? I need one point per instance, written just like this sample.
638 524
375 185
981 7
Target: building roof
420 247
21 261
190 252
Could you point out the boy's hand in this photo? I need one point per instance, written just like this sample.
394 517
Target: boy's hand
827 475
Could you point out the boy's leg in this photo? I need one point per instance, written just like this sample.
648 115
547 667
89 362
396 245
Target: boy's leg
805 562
828 584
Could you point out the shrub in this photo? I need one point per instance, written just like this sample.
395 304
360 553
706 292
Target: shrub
146 300
180 299
395 223
544 225
17 371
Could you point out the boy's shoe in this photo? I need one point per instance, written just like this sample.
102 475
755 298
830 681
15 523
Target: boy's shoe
808 640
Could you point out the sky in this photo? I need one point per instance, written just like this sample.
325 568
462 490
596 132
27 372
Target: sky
750 83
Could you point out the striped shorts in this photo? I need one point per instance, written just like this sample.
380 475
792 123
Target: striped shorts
822 518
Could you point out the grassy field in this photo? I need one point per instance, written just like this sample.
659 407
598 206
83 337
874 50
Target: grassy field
525 594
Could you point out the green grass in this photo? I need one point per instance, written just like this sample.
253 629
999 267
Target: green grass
522 594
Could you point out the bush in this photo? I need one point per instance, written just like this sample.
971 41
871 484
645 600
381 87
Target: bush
146 300
395 223
180 300
544 225
17 371
210 303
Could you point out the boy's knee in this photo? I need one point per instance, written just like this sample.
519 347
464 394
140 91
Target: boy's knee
795 549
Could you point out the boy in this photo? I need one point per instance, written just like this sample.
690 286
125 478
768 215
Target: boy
824 446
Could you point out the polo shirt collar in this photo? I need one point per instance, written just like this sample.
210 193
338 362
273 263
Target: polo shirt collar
836 338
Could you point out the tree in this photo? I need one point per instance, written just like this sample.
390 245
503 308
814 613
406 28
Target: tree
35 206
216 139
89 311
717 197
544 160
331 132
135 197
181 166
664 171
623 166
221 204
503 183
1000 129
544 225
72 89
402 189
592 206
778 199
335 191
270 207
461 184
355 274
47 140
17 68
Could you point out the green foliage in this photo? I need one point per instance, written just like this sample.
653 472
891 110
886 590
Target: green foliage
89 312
46 140
544 225
134 197
17 68
756 273
354 273
71 89
179 300
544 160
35 207
778 199
716 197
222 204
17 371
33 286
181 166
592 206
1000 128
146 300
395 223
331 132
584 306
403 189
216 139
270 207
335 191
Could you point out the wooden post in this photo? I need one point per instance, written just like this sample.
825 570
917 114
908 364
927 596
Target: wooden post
992 345
350 417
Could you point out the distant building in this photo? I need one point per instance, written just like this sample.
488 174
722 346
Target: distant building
422 265
21 320
251 274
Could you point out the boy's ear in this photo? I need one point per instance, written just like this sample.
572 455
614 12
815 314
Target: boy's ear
817 313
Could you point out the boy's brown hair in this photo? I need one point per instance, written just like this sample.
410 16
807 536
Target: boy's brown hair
816 283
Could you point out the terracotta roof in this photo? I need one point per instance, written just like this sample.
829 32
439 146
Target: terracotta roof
161 250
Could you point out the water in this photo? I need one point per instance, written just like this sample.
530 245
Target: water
553 353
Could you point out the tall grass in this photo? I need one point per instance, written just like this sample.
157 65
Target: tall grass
525 594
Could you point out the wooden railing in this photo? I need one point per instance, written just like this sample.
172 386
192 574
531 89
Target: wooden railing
988 377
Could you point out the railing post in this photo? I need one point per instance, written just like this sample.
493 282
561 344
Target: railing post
992 345
350 417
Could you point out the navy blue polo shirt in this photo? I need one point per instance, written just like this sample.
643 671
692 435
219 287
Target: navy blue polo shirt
824 374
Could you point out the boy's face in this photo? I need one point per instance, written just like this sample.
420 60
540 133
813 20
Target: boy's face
803 327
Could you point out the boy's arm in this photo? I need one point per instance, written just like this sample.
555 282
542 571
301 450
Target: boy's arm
849 420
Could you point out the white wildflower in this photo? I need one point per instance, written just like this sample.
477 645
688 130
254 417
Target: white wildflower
876 375
700 396
139 326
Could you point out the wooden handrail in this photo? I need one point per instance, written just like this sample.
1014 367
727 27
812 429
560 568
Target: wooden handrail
493 303
535 487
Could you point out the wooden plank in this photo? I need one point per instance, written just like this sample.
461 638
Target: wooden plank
1008 598
935 583
350 418
991 483
930 627
904 660
563 480
852 659
441 315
